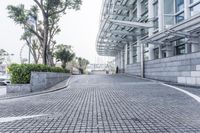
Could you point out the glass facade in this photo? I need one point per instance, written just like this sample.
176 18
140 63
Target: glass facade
168 12
180 47
179 17
179 4
155 12
156 53
193 1
195 9
134 48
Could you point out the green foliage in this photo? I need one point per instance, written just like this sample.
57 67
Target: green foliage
21 74
18 13
82 64
64 53
50 12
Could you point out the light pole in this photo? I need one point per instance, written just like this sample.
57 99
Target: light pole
32 23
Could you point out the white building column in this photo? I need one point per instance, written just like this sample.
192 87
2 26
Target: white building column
138 49
169 51
131 54
118 60
139 12
122 59
151 15
186 9
195 47
160 52
125 55
187 16
161 15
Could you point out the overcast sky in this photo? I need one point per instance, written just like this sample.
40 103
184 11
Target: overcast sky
79 29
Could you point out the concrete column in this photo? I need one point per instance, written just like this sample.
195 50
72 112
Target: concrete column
186 9
195 47
139 12
125 55
161 15
122 59
187 48
151 15
118 60
160 52
169 51
131 54
138 49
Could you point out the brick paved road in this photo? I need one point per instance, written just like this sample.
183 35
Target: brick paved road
100 103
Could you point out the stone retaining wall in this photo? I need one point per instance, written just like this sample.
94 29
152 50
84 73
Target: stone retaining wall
18 88
44 80
39 81
168 69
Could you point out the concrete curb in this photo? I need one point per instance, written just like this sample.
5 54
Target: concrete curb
55 88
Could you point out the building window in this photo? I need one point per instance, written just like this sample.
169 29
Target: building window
169 13
180 47
194 1
156 53
155 9
144 6
179 4
164 51
134 48
195 9
155 20
179 18
146 55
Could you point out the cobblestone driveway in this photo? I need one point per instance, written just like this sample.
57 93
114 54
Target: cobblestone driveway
100 103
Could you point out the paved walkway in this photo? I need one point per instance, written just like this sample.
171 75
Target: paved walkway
103 103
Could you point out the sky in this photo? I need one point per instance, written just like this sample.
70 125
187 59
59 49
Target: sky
78 28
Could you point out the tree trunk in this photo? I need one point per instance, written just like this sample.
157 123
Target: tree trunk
45 41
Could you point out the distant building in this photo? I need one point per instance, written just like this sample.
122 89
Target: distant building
158 39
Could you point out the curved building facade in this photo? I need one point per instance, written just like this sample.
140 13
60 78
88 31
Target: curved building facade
158 39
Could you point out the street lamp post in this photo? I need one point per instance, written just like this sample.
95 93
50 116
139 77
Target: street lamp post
31 22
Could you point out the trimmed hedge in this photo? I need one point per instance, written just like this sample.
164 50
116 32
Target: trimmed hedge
21 74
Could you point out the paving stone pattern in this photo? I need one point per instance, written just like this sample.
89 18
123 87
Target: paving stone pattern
100 103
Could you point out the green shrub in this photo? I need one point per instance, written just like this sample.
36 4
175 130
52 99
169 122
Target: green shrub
21 74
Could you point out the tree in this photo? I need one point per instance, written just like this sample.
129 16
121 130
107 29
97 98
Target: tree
82 64
3 53
64 54
46 28
33 44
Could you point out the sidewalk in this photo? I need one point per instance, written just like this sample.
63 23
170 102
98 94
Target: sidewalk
57 87
2 91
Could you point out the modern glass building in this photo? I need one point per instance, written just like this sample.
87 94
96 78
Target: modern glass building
157 39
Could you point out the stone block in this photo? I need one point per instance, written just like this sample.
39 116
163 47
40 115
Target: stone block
185 74
198 67
191 80
195 73
181 80
197 81
18 88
